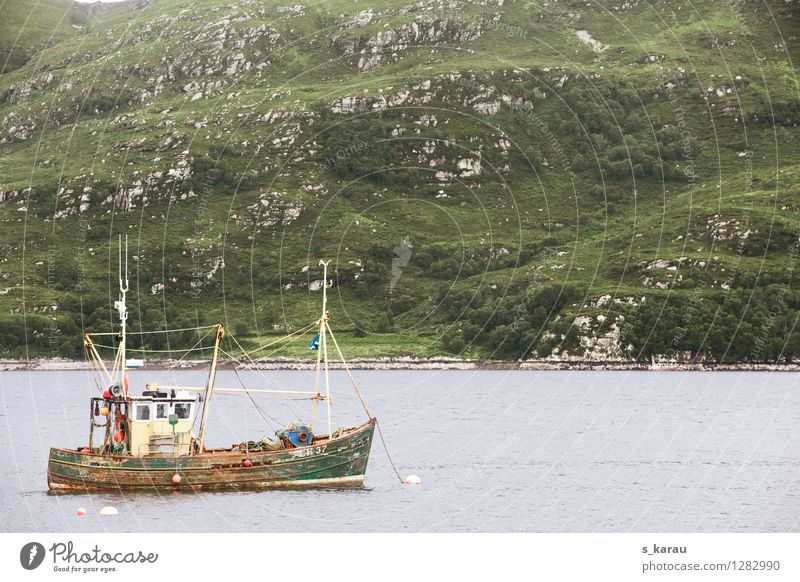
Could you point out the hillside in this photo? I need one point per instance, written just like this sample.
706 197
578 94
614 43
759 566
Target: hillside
611 179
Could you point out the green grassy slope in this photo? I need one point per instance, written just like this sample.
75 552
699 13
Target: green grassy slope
506 179
29 26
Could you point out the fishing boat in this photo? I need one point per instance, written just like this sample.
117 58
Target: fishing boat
148 441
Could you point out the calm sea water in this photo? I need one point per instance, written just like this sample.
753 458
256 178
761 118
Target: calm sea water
496 451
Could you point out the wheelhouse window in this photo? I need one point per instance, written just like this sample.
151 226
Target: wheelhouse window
162 410
182 409
143 412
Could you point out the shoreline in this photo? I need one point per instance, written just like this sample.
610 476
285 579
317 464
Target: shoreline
404 363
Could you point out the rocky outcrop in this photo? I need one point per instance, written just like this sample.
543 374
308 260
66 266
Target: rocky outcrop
388 45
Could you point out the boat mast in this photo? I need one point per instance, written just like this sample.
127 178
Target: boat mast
323 325
122 309
212 375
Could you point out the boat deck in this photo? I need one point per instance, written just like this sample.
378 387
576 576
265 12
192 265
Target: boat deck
341 461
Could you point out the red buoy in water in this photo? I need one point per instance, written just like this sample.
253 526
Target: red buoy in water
176 479
247 463
81 512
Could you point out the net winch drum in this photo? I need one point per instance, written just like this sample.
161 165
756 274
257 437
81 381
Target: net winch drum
296 435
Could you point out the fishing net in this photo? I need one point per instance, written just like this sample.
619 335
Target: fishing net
265 444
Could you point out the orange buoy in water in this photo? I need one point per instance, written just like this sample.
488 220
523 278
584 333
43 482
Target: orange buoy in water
247 463
104 411
81 512
412 480
176 479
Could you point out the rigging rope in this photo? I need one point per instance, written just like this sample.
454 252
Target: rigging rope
209 327
258 409
280 339
346 367
97 363
222 392
178 361
241 382
118 365
148 350
294 412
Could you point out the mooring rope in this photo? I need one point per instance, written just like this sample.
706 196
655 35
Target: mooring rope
386 449
364 404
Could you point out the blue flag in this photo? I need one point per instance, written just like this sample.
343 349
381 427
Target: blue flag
314 343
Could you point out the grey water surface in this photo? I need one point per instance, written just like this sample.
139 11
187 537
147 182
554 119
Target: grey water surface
496 450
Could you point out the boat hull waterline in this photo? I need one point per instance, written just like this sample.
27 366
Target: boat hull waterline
337 462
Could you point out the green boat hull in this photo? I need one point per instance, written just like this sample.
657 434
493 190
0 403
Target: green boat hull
337 462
